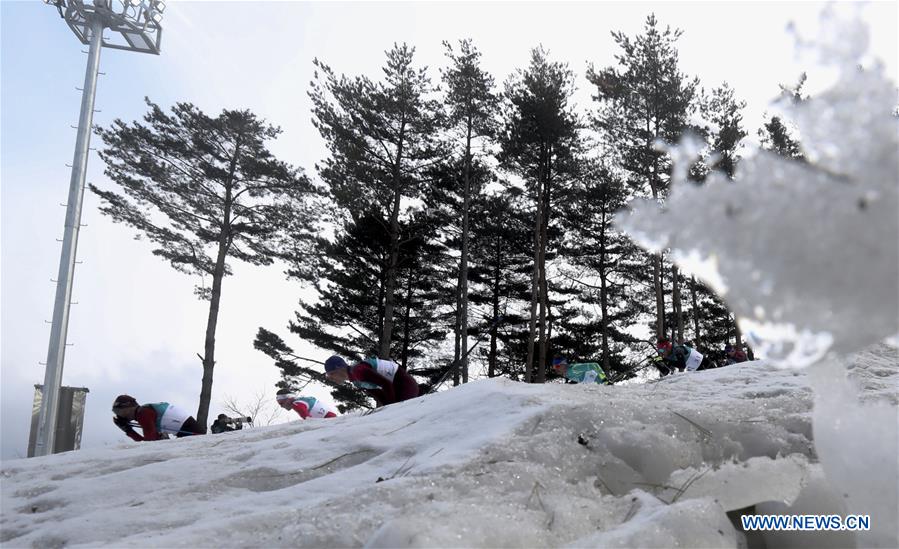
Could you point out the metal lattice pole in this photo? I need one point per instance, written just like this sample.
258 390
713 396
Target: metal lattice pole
58 330
134 25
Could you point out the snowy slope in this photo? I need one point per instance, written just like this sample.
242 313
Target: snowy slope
490 464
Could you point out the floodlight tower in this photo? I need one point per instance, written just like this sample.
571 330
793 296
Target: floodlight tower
134 25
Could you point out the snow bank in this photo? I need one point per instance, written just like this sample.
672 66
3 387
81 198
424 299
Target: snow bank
489 464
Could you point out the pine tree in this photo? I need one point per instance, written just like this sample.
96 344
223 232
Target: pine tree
775 134
202 189
643 99
722 111
540 143
348 274
500 266
347 314
444 202
471 108
605 267
425 274
381 139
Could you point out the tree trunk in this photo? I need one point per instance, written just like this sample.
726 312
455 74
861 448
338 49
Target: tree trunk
491 360
390 287
406 318
382 282
457 332
463 268
660 297
676 305
544 290
535 282
697 340
224 244
727 326
211 323
603 294
657 258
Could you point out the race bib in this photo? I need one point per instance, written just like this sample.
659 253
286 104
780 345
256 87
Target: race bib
172 420
319 410
694 360
385 368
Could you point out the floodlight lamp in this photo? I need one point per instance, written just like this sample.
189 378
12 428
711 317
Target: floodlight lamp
159 6
134 3
156 17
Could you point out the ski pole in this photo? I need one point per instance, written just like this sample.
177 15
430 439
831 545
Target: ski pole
136 424
637 368
452 366
309 359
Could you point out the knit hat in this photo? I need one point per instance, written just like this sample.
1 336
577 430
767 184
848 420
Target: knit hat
335 363
123 401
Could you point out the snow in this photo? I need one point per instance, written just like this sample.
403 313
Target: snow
493 463
807 255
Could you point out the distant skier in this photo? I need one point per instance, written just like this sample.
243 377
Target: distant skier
581 372
681 357
383 380
307 407
734 355
156 420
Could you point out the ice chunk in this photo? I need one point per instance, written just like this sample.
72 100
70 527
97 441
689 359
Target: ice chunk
812 244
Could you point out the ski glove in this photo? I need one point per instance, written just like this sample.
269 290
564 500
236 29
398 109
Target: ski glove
122 423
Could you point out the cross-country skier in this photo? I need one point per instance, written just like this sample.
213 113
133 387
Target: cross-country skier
307 407
156 419
734 355
383 380
681 357
581 372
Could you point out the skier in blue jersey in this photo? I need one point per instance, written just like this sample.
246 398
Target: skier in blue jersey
580 372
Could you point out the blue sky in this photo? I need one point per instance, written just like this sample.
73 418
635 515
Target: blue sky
137 326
